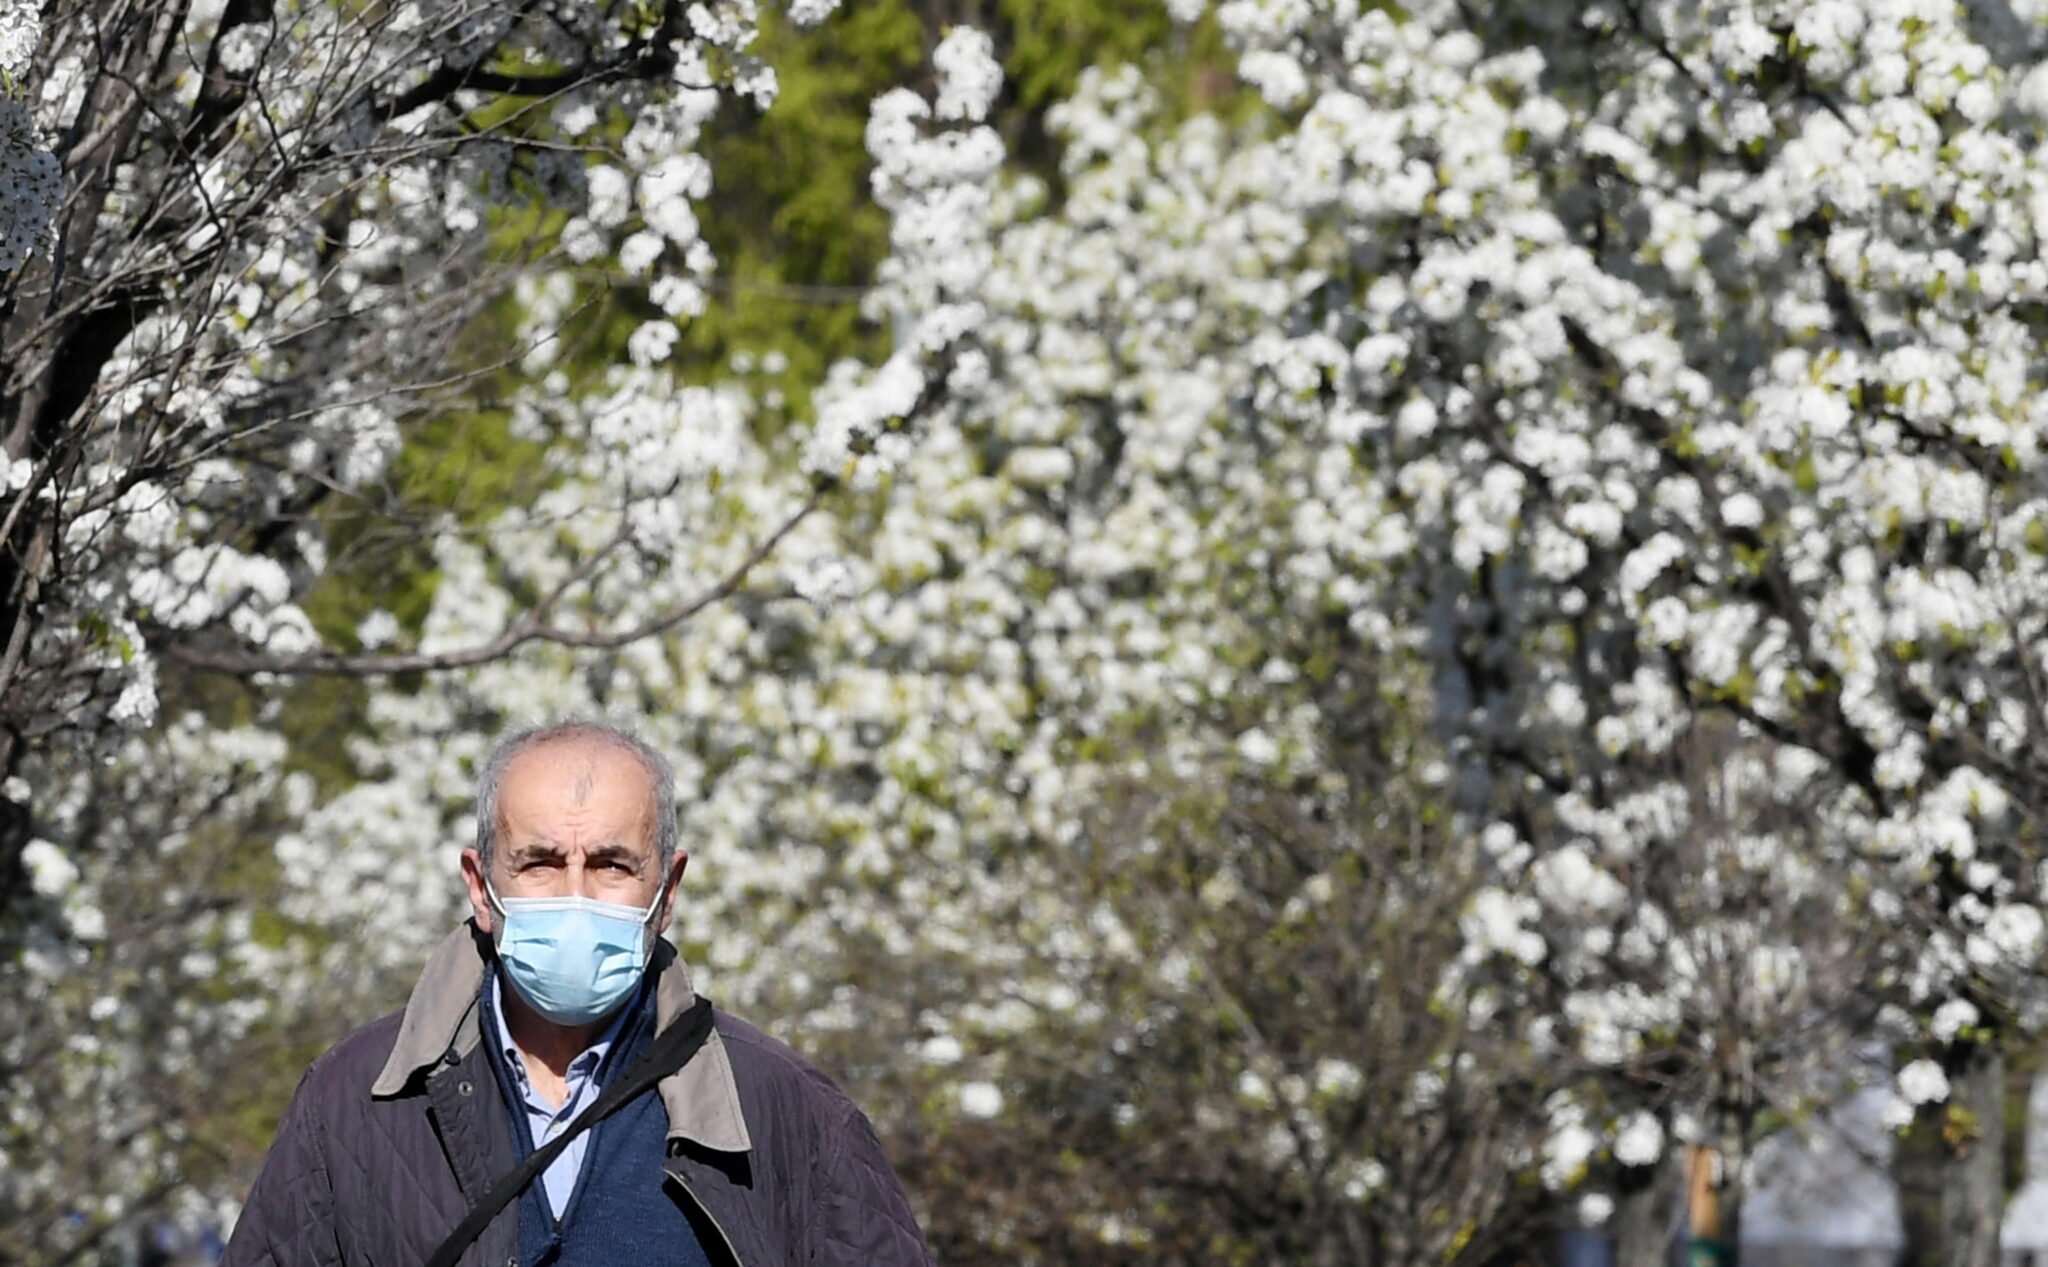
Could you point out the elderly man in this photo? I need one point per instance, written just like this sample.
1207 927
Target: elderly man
558 989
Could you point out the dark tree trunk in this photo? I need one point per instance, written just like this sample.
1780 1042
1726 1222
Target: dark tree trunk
1734 1159
1646 1217
1973 1165
1917 1161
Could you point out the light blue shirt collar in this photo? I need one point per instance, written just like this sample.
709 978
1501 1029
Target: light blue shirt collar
544 1119
587 1062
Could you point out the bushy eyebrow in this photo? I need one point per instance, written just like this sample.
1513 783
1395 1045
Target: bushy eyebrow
609 851
616 851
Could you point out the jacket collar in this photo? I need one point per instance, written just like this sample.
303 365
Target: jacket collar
441 1017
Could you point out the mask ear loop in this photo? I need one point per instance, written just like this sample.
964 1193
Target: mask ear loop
655 905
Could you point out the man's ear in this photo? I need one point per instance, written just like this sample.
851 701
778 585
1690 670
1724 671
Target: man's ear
479 901
673 882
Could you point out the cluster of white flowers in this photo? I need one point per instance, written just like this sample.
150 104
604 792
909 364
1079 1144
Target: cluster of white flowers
21 31
313 318
1636 489
139 970
1923 1082
1640 1140
939 187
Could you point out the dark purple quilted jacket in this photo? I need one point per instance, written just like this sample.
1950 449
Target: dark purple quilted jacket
399 1127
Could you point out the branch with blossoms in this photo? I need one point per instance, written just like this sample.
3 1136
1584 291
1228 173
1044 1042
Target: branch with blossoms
243 263
535 625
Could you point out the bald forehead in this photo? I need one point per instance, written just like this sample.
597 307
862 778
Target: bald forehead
588 754
579 779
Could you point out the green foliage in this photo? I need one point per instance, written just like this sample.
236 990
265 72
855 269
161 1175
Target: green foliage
1050 42
795 231
465 466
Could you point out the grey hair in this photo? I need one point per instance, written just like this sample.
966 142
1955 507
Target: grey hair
659 772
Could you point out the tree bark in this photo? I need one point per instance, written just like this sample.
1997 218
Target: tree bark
1973 1164
1734 1162
1916 1172
1644 1217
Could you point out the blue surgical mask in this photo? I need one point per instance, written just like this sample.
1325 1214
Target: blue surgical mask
574 959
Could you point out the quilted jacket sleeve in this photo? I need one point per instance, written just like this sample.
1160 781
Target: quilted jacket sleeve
862 1215
288 1220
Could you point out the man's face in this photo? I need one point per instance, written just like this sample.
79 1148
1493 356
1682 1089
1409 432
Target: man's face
575 819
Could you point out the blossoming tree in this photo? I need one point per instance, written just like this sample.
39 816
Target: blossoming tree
249 248
278 222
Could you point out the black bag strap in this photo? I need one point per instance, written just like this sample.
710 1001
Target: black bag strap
670 1051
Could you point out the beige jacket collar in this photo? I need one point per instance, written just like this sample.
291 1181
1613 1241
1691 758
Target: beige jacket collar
702 1098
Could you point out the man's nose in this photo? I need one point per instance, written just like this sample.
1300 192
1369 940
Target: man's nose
577 878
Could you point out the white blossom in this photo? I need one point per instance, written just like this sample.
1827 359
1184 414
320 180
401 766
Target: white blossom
21 31
980 1099
50 872
969 75
1951 1018
1923 1082
1639 1140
